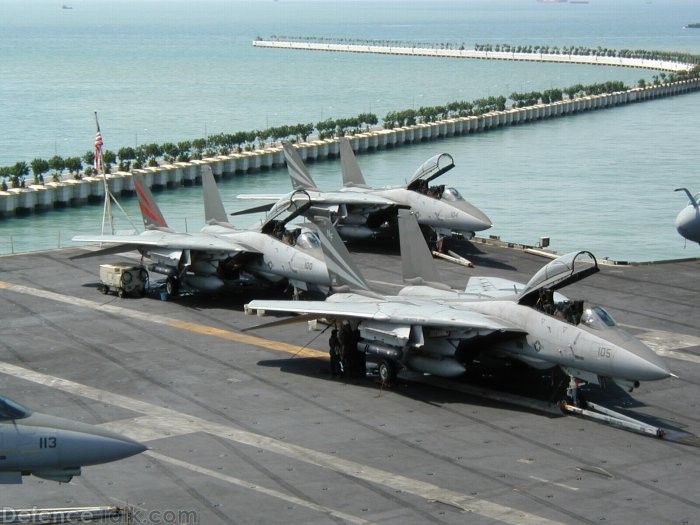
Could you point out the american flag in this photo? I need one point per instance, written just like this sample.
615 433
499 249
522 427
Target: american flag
98 152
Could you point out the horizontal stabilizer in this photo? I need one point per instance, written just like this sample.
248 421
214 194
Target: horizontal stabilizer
256 209
110 250
282 322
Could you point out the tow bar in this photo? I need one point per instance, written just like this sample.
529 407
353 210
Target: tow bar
610 417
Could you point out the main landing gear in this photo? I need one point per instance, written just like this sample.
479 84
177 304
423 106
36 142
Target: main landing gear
387 372
172 285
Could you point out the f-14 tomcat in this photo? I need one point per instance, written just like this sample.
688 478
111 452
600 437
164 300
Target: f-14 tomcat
688 220
431 328
220 256
51 447
360 212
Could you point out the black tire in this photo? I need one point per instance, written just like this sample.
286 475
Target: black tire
121 293
172 285
103 289
387 372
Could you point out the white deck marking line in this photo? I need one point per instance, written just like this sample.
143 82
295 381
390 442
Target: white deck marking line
257 488
549 482
175 420
666 343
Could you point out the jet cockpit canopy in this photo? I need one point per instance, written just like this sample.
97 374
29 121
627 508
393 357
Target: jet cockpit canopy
10 409
562 271
429 170
308 240
452 195
597 318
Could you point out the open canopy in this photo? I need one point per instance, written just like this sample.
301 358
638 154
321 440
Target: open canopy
561 272
432 169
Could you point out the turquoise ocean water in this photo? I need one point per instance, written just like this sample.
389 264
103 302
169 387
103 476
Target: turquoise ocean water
170 70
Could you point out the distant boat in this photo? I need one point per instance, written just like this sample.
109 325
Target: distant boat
66 7
695 25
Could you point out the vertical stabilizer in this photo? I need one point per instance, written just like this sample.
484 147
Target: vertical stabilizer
301 178
213 206
152 217
344 275
352 175
417 263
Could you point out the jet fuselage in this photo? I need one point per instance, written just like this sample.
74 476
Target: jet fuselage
54 448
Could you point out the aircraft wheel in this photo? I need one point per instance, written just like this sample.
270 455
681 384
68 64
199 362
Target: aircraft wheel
121 293
387 372
171 285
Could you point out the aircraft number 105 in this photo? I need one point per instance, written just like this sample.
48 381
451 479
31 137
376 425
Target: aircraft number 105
604 352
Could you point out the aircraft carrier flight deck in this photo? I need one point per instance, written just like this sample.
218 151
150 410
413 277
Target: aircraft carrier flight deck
250 427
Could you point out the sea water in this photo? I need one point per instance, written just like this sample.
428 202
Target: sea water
169 70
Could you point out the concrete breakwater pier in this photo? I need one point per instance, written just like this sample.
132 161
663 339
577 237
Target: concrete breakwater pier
70 192
642 63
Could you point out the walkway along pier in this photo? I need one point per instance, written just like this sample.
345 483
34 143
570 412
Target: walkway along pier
661 65
91 189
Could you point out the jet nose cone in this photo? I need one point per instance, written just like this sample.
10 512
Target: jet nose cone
476 218
641 363
115 449
97 448
688 224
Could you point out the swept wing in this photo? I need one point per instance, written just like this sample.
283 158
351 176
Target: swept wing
392 311
168 241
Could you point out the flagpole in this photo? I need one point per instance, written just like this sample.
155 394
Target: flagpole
99 168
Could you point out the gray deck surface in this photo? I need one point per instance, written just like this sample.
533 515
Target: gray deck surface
242 429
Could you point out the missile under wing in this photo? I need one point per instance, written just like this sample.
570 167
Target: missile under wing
53 448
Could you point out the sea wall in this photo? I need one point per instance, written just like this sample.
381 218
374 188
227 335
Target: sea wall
642 63
35 198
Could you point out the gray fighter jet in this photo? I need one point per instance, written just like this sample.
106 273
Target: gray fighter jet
221 256
360 212
51 447
688 220
430 328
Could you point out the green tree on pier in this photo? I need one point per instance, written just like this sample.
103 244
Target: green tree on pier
126 155
57 164
5 173
19 172
74 165
39 167
108 158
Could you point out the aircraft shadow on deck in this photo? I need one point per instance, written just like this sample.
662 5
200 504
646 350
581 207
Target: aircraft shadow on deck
538 397
412 388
